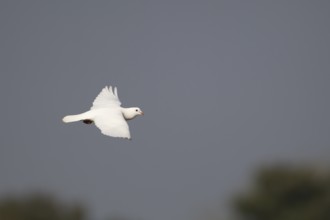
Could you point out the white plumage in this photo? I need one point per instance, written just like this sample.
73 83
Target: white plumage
107 114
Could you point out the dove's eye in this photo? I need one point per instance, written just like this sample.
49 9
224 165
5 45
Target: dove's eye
136 110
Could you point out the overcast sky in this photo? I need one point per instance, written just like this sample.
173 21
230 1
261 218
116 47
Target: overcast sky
225 87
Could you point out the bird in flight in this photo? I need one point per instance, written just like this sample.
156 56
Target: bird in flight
107 114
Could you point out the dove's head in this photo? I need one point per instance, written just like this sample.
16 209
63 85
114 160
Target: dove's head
130 113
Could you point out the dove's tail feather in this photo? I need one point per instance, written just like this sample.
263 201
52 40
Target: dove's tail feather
71 118
74 118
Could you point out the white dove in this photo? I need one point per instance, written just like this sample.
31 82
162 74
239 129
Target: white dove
107 114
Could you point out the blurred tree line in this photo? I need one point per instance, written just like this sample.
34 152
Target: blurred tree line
277 193
286 193
39 207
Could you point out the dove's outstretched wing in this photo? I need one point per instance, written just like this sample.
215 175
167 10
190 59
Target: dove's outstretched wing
107 98
111 122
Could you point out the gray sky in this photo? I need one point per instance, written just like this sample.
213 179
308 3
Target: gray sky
225 86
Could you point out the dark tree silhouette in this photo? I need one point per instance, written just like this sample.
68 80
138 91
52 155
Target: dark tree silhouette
282 193
38 207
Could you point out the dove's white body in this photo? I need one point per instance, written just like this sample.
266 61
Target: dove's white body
108 115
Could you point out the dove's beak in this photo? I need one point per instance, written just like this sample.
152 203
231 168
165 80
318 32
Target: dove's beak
142 113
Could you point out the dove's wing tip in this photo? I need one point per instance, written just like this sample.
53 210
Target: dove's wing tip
111 88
